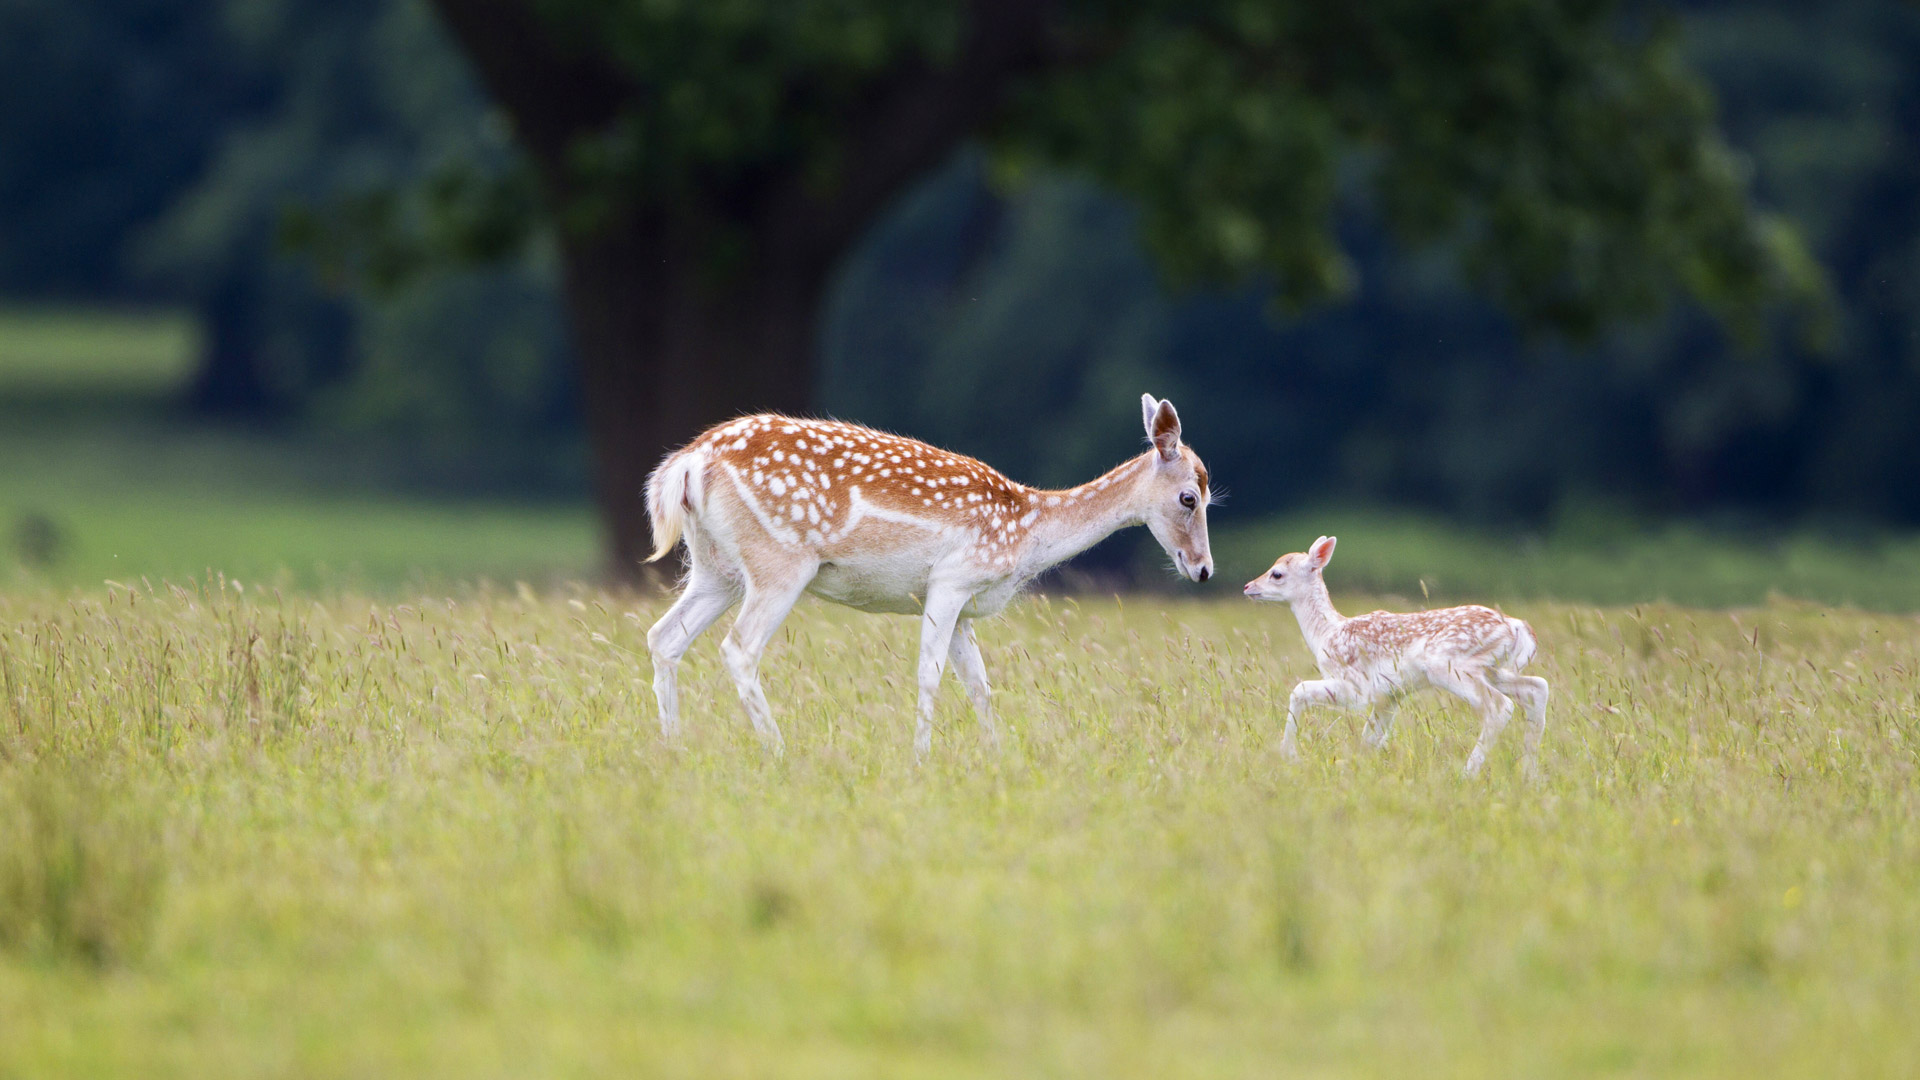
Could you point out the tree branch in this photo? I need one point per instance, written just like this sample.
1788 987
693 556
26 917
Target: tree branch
909 124
553 93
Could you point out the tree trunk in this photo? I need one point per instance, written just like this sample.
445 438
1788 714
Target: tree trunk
670 343
228 381
666 351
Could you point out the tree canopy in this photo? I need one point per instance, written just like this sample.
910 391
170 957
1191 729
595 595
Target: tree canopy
985 223
709 164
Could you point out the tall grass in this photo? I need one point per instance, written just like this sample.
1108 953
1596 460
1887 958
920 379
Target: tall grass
79 877
327 835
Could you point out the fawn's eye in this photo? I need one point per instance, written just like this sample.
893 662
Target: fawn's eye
1278 574
1187 500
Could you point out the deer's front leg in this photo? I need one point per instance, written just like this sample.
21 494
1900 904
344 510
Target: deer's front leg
1311 692
940 612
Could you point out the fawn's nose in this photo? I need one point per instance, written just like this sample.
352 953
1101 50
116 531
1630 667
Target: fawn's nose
1205 572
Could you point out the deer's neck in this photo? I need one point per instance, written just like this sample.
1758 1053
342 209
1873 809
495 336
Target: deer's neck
1074 520
1318 620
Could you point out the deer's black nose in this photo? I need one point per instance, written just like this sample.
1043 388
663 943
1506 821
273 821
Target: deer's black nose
1205 573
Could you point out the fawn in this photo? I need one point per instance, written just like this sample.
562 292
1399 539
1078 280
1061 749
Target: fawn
1371 661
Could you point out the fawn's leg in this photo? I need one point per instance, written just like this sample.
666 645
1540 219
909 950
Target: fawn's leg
1312 692
1531 692
1494 707
1380 722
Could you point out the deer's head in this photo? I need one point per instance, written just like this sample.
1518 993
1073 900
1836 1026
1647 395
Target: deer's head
1293 576
1176 492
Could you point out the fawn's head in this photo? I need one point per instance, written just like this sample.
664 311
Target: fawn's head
1176 492
1293 576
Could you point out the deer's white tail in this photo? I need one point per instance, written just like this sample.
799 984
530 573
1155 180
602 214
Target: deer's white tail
1524 643
673 490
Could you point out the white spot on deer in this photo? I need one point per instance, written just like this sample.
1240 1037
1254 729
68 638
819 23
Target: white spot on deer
778 487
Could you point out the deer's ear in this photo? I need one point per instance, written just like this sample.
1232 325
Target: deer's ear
1148 406
1164 428
1322 550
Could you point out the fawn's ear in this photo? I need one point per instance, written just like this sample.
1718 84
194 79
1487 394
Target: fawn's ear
1322 550
1148 406
1163 427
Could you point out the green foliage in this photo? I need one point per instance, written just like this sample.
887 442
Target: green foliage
1569 157
112 107
1567 151
468 358
1413 391
726 88
377 166
473 857
1034 356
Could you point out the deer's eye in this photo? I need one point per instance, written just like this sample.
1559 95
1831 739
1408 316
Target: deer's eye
1187 500
1278 574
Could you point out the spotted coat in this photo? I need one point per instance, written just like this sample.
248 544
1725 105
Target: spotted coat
775 506
835 488
1371 661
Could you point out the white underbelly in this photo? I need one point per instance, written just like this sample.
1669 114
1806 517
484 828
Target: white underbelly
878 586
896 587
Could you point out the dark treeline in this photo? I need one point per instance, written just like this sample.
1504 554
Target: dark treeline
159 152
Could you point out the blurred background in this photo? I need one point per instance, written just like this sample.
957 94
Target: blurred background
382 293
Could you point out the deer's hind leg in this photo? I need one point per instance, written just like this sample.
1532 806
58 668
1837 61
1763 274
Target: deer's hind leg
706 597
1531 692
1494 707
1380 721
772 591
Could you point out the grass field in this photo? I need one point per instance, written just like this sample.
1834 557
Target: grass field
84 503
92 350
103 477
244 833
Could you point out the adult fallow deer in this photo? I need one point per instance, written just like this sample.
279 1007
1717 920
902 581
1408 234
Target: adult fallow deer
773 506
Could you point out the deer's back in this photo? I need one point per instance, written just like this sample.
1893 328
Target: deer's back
1409 641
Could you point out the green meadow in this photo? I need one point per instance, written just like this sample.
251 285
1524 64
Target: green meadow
310 770
307 833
